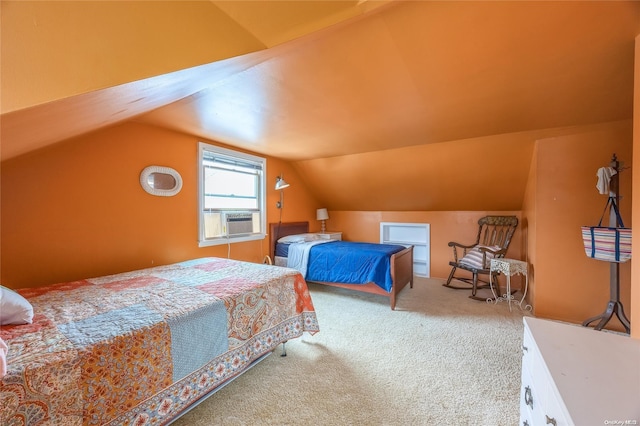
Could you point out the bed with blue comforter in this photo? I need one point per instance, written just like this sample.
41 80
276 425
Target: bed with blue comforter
382 269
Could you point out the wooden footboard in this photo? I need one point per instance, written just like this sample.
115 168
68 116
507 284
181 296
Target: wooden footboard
401 272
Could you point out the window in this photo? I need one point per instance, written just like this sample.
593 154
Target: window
231 196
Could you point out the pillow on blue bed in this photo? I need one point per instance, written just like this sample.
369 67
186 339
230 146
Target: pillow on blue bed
14 309
297 238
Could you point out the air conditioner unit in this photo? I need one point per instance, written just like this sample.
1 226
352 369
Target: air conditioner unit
238 223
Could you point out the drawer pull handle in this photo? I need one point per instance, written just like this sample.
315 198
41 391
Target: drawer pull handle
550 420
525 423
524 348
528 398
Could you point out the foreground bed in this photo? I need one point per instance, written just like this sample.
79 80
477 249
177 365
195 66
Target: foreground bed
143 347
399 263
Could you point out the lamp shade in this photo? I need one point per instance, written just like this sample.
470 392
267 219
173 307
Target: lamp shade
322 214
280 183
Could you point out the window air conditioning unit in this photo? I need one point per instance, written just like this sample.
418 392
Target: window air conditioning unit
238 223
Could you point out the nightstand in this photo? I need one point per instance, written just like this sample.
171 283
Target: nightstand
329 235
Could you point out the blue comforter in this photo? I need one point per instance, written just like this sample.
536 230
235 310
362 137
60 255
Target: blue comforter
352 263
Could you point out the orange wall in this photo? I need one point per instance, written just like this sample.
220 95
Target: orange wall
76 209
635 260
427 177
444 227
567 285
529 225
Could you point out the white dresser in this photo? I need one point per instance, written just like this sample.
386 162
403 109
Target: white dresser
573 375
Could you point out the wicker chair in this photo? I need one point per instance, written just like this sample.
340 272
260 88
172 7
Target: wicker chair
492 241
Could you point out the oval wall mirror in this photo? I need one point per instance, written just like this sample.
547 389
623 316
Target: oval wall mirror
161 181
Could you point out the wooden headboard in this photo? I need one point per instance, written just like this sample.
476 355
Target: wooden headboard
282 229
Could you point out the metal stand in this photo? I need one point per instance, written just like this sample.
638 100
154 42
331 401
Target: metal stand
614 306
509 267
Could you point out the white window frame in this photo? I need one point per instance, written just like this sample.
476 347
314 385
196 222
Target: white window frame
262 194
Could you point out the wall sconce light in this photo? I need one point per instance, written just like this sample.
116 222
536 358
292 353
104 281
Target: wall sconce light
280 185
322 214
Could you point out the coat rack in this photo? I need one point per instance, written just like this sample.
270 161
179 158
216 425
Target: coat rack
615 305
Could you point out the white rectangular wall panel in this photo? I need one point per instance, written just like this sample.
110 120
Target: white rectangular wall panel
410 234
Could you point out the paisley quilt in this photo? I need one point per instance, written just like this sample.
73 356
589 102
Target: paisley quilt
139 348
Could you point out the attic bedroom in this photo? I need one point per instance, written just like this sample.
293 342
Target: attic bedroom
390 111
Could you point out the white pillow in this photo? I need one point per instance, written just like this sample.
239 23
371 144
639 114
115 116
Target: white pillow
298 238
14 309
473 258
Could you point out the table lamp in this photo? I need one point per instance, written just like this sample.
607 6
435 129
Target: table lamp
322 214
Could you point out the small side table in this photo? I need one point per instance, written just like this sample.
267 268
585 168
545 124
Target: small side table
509 267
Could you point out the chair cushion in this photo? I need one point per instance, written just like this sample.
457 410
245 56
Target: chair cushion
473 258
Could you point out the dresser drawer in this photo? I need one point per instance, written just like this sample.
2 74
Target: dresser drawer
528 399
533 362
547 408
552 410
578 375
539 398
526 418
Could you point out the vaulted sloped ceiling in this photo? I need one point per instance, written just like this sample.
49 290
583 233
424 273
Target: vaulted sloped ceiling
424 72
341 88
73 67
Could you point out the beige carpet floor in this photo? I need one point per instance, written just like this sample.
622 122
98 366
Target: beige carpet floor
439 359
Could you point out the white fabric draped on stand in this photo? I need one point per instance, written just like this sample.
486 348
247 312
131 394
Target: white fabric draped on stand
604 178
